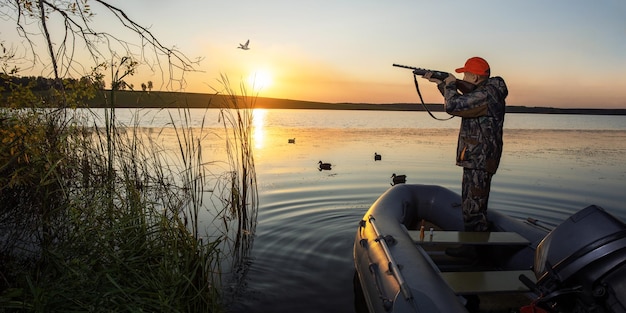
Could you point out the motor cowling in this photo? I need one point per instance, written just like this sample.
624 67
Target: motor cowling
580 266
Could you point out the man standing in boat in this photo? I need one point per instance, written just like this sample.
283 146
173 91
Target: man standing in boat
480 139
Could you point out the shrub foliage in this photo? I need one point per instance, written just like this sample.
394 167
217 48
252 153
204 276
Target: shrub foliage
97 219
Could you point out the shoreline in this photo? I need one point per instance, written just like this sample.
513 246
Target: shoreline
166 99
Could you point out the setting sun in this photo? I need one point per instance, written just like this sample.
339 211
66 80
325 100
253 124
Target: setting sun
260 80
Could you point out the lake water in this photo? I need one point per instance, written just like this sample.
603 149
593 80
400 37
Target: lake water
552 166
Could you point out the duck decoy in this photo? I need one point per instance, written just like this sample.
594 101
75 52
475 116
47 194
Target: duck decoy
398 179
377 157
291 140
324 166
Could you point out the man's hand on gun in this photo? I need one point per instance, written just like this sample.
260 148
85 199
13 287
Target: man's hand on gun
449 79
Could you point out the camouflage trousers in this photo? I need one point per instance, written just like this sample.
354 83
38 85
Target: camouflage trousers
475 196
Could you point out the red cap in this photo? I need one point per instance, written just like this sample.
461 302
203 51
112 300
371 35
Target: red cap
476 66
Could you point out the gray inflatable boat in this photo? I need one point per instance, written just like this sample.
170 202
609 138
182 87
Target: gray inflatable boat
522 265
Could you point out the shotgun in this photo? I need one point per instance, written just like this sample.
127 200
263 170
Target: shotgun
461 85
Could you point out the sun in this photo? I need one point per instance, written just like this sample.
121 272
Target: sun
260 80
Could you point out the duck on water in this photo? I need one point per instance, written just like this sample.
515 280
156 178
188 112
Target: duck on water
522 265
397 179
324 166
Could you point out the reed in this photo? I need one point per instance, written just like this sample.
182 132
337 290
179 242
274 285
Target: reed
240 214
108 218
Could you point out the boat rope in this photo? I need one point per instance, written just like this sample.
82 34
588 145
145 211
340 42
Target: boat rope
393 266
419 93
387 302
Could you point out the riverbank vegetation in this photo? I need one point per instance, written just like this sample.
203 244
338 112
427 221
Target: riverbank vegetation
97 216
105 218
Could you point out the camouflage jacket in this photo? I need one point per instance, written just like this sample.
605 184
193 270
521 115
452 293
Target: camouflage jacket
482 112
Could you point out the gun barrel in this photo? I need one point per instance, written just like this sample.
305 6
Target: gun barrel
405 66
416 70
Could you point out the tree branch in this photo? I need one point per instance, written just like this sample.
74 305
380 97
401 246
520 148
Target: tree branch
79 31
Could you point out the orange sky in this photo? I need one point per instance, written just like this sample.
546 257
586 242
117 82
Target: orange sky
316 80
561 53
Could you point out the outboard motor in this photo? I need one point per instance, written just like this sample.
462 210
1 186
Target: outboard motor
580 266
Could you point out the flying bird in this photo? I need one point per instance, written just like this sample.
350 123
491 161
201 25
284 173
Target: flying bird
244 46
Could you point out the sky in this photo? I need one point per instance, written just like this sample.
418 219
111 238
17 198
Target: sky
558 53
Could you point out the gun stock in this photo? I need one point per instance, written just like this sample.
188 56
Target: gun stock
461 85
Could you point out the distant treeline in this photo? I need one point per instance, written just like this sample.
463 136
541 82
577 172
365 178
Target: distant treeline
167 99
548 110
39 83
162 99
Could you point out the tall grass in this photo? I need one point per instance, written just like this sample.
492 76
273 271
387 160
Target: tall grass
240 215
109 218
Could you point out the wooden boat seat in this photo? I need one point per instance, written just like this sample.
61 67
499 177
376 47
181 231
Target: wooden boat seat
464 283
469 238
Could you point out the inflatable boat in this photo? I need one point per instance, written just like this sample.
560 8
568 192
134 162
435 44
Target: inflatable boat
521 265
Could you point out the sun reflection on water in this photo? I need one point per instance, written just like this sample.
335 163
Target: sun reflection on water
258 130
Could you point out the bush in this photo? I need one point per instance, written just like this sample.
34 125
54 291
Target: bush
93 220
